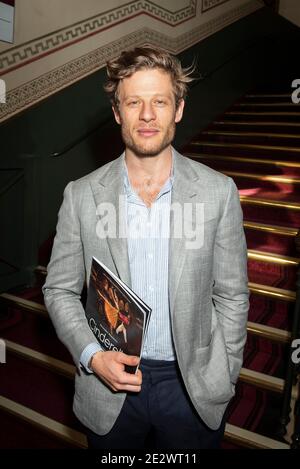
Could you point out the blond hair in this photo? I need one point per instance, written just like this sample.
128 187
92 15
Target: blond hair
146 57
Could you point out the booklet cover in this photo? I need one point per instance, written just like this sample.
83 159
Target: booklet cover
116 315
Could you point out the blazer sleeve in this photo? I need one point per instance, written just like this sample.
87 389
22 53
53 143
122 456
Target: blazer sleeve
230 287
65 280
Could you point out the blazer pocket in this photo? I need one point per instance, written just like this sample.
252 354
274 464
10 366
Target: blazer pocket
213 369
203 353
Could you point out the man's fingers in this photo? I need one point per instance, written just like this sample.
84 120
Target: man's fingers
128 359
110 368
110 385
129 378
122 387
128 388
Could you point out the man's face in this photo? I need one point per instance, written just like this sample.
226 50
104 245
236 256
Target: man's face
147 112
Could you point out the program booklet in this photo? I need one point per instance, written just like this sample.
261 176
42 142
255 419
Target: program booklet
116 315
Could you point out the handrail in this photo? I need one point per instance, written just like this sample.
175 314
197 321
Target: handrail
3 261
80 139
202 76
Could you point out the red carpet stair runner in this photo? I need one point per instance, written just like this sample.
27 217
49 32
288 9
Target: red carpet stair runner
257 143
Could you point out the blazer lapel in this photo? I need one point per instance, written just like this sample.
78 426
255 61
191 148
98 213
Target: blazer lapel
108 192
182 192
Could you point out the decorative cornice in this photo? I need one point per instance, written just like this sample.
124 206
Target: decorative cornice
40 88
209 4
30 51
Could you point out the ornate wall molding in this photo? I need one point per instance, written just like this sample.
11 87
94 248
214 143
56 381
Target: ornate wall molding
209 4
40 88
33 50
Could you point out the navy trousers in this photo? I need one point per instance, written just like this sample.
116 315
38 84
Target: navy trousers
160 416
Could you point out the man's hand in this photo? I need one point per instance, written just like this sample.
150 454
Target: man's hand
110 367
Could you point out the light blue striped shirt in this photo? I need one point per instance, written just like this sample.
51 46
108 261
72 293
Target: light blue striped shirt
148 231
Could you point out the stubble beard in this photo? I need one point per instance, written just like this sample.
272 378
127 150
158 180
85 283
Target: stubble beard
143 151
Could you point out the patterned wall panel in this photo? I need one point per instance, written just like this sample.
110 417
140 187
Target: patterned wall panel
209 4
52 42
185 22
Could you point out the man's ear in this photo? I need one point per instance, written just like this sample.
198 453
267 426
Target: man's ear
179 111
116 114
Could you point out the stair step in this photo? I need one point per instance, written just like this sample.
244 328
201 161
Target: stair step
287 213
269 202
272 243
255 378
255 125
17 434
249 166
271 269
235 136
272 258
264 111
267 332
24 304
271 124
272 312
288 104
43 423
276 229
274 95
239 133
252 440
38 388
263 177
262 115
35 330
53 364
267 357
233 433
247 146
253 328
272 292
243 159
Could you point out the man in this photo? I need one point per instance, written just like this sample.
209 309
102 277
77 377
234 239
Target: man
188 263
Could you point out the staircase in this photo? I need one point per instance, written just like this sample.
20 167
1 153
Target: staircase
257 143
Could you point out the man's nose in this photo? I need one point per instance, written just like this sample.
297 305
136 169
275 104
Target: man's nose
147 112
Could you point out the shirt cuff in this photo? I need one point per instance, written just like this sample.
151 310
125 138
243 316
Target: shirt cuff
87 354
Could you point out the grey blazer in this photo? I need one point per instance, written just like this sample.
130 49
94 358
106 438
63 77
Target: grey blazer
208 286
